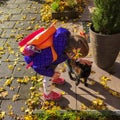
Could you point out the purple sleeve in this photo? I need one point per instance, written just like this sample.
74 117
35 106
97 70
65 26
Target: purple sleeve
46 71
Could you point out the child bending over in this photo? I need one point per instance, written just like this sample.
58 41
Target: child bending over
44 58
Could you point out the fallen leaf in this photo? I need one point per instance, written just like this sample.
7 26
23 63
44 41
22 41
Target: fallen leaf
19 69
63 93
10 67
1 48
4 94
83 107
2 89
29 28
2 114
8 82
15 97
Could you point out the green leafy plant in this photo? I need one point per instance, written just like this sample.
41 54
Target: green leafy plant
55 5
57 115
77 115
106 16
64 5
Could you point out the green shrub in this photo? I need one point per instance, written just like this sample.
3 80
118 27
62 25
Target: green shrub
106 16
77 115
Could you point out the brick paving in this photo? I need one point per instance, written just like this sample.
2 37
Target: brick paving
15 17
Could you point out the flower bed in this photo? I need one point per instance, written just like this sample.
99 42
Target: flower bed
67 9
74 115
62 9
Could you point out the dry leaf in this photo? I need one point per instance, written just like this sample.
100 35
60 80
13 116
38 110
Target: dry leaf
2 89
15 97
63 93
19 69
4 94
29 28
8 82
83 107
2 114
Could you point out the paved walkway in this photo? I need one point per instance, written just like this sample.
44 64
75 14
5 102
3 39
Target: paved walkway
18 18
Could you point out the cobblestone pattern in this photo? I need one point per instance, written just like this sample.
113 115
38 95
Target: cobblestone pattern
18 18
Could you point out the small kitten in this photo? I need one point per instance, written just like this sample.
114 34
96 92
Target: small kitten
78 71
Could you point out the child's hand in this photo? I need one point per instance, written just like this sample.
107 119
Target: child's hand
84 61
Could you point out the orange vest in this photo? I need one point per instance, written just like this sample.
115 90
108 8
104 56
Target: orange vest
44 40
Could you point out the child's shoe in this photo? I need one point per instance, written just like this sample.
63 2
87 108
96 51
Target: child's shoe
53 96
59 81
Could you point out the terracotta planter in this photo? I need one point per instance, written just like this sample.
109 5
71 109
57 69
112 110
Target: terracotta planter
65 14
105 49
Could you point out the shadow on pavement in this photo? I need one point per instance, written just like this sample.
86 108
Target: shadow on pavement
108 98
63 103
77 97
116 70
3 2
39 1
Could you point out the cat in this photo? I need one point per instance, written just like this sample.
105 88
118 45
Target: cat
77 71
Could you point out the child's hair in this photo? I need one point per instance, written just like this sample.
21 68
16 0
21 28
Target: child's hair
77 41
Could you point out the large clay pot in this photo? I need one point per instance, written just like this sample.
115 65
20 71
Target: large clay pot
105 49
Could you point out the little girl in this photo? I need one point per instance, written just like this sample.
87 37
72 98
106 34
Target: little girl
44 59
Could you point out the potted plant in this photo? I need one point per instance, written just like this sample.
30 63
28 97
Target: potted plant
105 32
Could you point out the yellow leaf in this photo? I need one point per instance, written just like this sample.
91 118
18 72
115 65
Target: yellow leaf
46 103
24 17
1 48
33 78
4 94
92 82
28 117
36 26
19 69
33 18
100 102
2 89
29 28
93 72
23 80
22 109
2 114
103 83
2 52
63 69
63 93
94 102
52 103
32 88
19 36
15 97
17 22
12 88
65 65
104 78
8 82
10 107
32 22
22 64
12 36
1 12
88 24
7 60
83 106
11 51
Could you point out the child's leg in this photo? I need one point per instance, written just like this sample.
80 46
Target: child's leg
56 79
47 83
48 93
